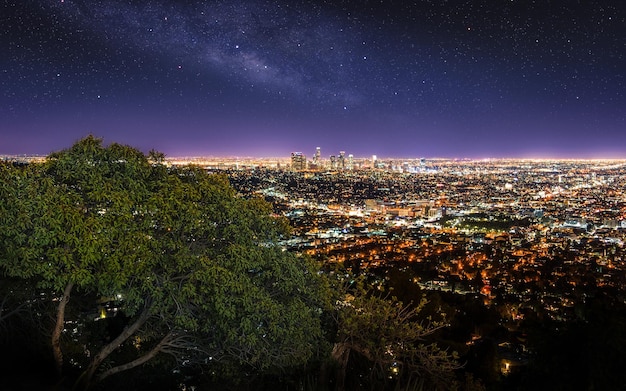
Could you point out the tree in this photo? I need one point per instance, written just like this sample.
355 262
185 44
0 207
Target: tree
391 336
34 236
195 269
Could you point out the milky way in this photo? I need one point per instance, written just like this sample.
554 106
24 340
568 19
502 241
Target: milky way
455 78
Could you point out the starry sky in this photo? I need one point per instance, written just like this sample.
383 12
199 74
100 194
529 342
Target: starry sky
396 78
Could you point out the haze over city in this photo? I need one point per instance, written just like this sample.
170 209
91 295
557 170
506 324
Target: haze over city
259 78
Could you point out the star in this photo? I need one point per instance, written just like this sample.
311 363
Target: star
413 72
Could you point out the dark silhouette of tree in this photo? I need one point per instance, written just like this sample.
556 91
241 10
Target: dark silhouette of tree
392 338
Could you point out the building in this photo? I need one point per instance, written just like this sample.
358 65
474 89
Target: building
298 161
318 156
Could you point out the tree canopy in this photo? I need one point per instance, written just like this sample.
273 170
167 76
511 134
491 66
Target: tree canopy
195 270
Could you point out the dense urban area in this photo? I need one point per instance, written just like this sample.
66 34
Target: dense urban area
531 242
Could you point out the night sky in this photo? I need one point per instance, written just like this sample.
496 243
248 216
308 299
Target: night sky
467 79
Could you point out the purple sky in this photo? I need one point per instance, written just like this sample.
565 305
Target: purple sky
265 78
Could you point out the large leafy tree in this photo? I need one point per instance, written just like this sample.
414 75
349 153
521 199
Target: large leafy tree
195 268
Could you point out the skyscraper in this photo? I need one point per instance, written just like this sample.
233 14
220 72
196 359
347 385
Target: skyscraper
317 156
298 161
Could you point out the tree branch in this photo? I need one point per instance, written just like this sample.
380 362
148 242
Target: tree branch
14 311
138 361
85 379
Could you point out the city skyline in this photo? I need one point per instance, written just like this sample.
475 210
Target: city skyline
264 79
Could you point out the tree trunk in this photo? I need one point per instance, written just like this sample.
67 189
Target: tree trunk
58 329
84 382
322 377
341 353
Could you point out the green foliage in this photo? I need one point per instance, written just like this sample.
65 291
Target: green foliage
392 337
194 268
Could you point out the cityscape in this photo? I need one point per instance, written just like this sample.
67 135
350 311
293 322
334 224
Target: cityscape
517 254
529 239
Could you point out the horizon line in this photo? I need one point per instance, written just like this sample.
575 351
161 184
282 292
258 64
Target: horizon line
360 157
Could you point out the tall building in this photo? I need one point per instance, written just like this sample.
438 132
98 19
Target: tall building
298 161
318 155
333 162
342 160
350 161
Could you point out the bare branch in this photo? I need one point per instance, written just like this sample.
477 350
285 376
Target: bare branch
138 361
